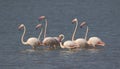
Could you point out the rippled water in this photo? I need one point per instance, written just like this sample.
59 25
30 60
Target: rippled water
101 16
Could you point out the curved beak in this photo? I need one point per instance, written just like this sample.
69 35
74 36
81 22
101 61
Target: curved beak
74 20
100 43
41 18
19 28
82 24
38 26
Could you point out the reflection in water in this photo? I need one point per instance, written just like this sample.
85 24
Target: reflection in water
95 50
28 50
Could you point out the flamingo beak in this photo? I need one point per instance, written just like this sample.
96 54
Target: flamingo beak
100 43
41 18
38 26
39 43
74 20
82 24
19 28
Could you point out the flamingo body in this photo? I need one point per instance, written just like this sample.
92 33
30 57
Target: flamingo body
82 43
33 41
49 41
69 44
95 41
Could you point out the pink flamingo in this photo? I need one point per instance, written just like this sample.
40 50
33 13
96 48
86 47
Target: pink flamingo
32 41
50 41
39 26
93 41
82 42
70 44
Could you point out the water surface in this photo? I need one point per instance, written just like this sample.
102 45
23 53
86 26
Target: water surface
101 16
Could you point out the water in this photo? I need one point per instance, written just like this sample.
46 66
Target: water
101 16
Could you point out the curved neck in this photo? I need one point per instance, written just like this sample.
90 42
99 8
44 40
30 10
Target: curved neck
40 34
73 36
45 28
61 45
22 38
86 33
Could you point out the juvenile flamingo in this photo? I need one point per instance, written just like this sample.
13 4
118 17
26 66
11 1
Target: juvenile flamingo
50 41
32 41
70 44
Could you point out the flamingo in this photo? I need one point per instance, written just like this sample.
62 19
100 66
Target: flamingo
39 26
50 41
70 44
82 42
32 41
94 41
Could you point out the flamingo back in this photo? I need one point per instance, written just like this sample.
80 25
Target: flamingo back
49 41
33 41
70 44
82 43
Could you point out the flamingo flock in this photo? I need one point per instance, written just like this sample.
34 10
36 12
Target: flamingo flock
55 42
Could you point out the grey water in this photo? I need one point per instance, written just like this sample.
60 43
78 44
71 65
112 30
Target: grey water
102 17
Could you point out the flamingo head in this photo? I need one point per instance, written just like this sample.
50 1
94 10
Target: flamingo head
74 20
38 26
40 43
41 17
21 26
95 41
61 37
82 24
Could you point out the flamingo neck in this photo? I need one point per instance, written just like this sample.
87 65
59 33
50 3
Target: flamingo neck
22 38
40 34
45 28
73 36
61 45
86 33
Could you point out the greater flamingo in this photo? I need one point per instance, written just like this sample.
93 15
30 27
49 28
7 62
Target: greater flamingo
82 42
32 41
50 41
39 26
70 44
94 41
